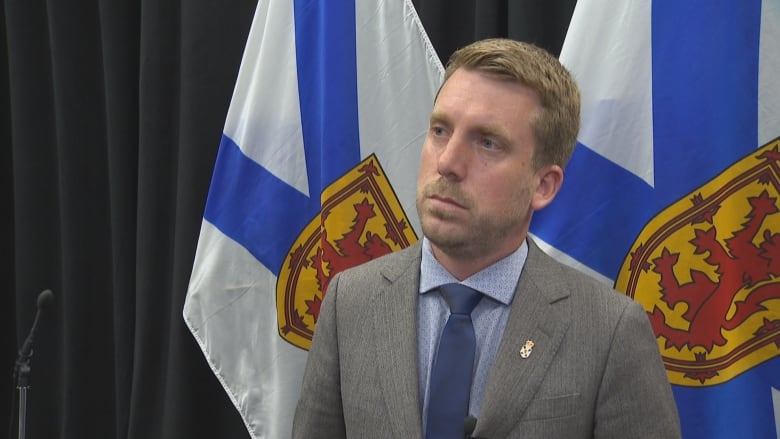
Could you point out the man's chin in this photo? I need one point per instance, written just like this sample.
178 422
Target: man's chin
445 239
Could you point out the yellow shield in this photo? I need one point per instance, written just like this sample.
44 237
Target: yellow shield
361 219
707 270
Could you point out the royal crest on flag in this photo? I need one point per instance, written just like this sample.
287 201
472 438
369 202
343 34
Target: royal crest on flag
708 270
361 219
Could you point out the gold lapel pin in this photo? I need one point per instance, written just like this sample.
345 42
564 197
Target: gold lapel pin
525 351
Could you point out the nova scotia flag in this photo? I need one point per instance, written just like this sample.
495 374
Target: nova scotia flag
316 172
673 193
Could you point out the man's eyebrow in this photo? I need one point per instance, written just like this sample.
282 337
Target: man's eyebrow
494 130
487 129
439 116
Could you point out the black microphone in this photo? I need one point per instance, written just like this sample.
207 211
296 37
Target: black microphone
469 424
22 363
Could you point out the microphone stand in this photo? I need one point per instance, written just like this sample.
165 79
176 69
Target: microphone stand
22 378
22 365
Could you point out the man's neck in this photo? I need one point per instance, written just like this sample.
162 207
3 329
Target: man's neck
462 266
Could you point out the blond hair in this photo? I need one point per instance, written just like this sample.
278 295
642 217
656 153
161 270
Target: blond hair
556 125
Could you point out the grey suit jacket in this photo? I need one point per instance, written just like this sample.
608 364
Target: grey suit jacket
594 372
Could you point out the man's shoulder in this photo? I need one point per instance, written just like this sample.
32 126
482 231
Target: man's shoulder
577 282
389 265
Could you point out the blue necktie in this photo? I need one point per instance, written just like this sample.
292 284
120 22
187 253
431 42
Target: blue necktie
450 385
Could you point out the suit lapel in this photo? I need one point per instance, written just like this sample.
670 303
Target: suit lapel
397 352
538 314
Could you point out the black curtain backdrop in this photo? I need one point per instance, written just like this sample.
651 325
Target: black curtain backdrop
111 113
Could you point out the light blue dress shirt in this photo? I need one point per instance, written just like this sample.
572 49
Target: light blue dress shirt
497 283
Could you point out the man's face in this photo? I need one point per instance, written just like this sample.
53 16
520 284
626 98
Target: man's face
477 188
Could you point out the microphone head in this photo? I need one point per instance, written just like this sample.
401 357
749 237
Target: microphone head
45 299
469 424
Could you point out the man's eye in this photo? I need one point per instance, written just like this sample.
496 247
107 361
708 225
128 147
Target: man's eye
437 131
488 143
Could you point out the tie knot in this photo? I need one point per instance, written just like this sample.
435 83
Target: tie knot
460 298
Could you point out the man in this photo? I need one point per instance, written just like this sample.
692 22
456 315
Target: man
551 353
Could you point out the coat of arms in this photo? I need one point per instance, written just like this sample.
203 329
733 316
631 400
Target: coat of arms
707 270
361 219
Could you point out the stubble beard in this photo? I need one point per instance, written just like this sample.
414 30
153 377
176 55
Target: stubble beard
475 238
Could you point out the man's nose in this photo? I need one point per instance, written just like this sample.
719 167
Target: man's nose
454 158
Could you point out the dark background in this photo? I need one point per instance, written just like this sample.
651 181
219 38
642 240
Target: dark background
111 113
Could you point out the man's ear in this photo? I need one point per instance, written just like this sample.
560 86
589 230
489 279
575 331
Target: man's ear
550 179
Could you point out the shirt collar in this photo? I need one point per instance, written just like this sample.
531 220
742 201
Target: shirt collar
498 281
